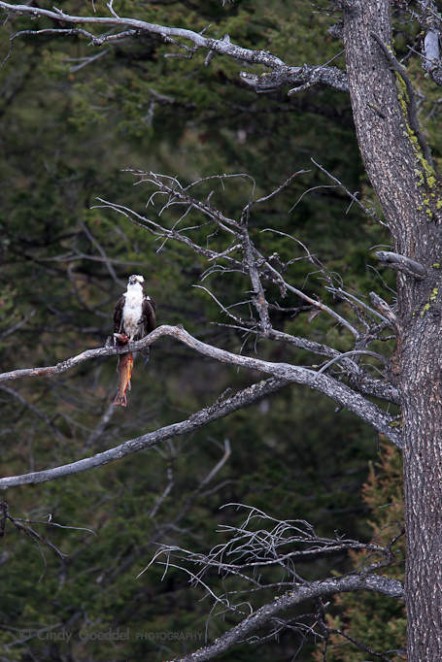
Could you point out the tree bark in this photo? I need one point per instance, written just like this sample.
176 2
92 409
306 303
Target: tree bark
407 187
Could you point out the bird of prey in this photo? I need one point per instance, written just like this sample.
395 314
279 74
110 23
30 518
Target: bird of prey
134 314
134 318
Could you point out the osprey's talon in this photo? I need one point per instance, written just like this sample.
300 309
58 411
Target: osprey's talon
120 339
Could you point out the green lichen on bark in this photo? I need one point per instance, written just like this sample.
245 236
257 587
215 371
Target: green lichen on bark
424 171
431 300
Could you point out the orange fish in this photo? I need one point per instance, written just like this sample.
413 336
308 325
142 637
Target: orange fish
125 366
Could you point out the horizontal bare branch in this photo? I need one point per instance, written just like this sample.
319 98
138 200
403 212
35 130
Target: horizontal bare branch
299 78
217 410
283 75
67 364
359 379
221 46
334 389
372 582
402 263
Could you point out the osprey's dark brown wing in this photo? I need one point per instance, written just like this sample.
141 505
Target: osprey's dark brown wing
118 315
149 316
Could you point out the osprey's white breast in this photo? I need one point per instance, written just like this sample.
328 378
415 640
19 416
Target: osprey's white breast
132 310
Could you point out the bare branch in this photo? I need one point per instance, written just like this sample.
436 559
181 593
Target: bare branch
162 497
384 308
254 549
160 231
353 352
314 302
359 379
98 431
329 386
302 77
356 303
264 541
361 646
221 46
215 411
298 594
176 194
282 74
277 190
218 466
402 263
352 196
251 258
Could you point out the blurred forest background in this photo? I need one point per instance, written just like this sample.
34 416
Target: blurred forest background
71 124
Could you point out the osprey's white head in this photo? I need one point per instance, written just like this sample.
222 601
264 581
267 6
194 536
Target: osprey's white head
136 280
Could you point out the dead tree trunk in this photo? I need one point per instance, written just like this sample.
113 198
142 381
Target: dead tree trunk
400 169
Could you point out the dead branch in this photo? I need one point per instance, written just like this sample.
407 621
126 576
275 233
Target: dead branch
254 550
218 410
373 583
281 74
254 264
402 263
221 46
298 78
334 389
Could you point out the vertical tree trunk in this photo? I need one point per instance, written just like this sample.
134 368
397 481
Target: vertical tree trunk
408 191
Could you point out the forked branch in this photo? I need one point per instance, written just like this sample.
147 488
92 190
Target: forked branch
283 75
333 388
263 554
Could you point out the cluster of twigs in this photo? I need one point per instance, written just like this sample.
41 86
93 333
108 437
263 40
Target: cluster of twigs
261 558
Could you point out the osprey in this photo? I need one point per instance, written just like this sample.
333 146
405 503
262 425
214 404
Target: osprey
134 314
134 318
